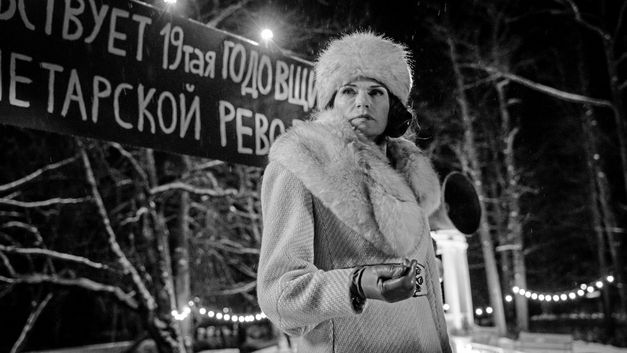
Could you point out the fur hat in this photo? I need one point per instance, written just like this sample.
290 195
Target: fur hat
363 54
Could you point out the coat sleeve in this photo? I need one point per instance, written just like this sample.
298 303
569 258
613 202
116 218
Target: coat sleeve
291 290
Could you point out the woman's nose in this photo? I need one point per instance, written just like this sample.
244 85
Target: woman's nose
362 100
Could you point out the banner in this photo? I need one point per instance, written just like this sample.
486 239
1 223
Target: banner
127 72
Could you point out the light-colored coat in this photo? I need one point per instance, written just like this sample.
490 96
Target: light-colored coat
331 203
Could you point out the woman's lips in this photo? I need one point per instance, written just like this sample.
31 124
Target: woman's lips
360 119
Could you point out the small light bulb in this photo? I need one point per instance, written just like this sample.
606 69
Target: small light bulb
610 278
266 34
508 298
479 311
599 284
488 310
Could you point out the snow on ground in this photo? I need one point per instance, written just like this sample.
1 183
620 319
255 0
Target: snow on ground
585 347
578 347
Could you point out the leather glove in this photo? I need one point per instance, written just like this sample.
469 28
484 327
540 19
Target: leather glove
387 282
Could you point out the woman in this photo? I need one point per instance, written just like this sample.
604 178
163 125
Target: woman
345 205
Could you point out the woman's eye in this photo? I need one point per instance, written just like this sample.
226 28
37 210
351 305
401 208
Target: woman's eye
376 92
347 91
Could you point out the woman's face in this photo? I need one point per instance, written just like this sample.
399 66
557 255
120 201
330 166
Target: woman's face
365 104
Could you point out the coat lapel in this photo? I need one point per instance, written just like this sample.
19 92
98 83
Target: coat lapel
387 206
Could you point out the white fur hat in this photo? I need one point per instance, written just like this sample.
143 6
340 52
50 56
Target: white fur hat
363 54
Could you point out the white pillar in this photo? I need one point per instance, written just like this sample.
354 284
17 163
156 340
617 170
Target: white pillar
452 244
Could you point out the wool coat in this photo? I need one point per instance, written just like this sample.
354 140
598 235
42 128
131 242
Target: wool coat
331 203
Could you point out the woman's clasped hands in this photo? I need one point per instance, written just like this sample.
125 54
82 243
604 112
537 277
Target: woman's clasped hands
388 282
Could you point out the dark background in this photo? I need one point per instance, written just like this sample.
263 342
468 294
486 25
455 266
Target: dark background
538 40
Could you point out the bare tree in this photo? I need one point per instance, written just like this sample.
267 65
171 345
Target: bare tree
613 58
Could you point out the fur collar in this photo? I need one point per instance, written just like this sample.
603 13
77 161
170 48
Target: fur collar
386 205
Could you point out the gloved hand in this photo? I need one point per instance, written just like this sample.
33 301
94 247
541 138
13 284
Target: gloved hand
387 282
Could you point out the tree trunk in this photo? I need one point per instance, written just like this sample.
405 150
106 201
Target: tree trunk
472 166
601 202
165 268
619 118
497 213
512 195
181 259
617 101
598 201
148 308
610 225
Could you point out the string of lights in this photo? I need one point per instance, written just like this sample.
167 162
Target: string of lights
478 311
569 295
487 310
563 296
222 315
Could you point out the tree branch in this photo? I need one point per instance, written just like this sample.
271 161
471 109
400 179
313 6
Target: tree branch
30 322
136 166
579 19
43 203
55 255
226 13
84 283
127 266
240 289
232 247
193 189
207 165
563 95
621 17
27 227
36 173
5 261
249 215
134 219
